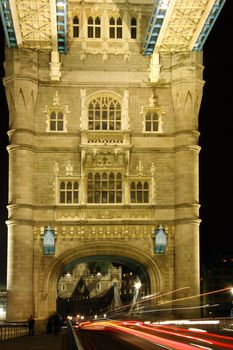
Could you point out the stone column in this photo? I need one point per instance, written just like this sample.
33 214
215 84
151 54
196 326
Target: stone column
186 89
21 89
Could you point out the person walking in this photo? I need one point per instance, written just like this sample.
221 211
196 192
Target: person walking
31 324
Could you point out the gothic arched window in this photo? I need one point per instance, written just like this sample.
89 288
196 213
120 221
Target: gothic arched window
133 28
139 192
75 27
104 113
151 121
69 191
115 28
56 121
93 27
104 188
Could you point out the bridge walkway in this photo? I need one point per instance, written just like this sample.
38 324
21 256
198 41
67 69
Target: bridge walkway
37 342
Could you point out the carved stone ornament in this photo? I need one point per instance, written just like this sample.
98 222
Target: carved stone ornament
69 168
139 168
56 168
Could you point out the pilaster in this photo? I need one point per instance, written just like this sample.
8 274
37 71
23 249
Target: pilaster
21 85
186 90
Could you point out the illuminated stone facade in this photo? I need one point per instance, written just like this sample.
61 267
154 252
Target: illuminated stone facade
96 283
104 154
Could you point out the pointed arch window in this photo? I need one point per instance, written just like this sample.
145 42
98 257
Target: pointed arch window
56 121
115 28
152 121
94 27
104 188
69 192
104 113
56 116
139 192
76 27
133 28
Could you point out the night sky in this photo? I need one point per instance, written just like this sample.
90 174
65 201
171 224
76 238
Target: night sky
216 140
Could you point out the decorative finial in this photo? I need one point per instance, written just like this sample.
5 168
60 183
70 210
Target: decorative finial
56 168
140 168
152 100
69 168
56 101
152 169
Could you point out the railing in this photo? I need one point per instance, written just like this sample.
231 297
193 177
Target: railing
12 330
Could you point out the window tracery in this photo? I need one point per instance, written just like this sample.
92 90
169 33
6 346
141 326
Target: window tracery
133 28
56 121
151 121
104 113
139 192
94 27
75 27
104 187
56 116
115 28
69 192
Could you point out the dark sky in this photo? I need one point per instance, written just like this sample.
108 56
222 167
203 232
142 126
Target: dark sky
216 140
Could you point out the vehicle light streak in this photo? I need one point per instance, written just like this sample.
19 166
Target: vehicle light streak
144 299
194 296
175 333
176 308
217 336
186 322
150 337
212 341
125 327
201 346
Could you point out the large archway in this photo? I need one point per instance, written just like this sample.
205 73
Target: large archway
134 258
101 284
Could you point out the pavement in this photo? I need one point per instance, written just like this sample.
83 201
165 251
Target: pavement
37 342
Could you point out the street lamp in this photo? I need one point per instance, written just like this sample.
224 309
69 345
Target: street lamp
137 286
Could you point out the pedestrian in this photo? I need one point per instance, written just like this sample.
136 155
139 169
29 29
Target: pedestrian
31 324
49 325
56 324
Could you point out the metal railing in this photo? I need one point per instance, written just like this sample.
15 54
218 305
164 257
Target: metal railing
12 330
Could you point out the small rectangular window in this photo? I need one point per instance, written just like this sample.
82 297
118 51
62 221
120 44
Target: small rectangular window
119 197
148 126
69 197
119 32
155 126
60 125
97 197
97 32
90 32
53 125
104 197
76 197
75 32
111 33
133 33
62 197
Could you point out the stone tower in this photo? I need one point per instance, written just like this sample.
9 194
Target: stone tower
104 150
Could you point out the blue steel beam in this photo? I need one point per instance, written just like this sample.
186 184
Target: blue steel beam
7 22
61 15
154 27
208 24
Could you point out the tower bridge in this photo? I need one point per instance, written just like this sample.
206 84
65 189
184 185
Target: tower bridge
103 100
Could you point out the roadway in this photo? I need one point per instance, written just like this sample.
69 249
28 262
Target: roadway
136 335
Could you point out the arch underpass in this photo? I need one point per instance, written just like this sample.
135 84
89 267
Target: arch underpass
100 283
136 260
